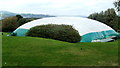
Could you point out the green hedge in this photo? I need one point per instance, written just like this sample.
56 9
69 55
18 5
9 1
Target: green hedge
58 32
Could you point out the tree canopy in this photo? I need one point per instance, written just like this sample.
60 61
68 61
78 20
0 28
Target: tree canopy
108 17
117 5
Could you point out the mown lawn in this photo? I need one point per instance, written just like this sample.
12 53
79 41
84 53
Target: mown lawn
33 51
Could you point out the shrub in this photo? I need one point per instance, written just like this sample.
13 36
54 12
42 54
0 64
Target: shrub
9 24
53 31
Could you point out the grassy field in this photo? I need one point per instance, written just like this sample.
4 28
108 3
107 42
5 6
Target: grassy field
33 51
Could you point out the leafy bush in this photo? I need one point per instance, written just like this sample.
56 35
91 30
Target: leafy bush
53 31
9 24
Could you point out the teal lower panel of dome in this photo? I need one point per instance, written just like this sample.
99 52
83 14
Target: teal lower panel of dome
85 38
98 35
20 32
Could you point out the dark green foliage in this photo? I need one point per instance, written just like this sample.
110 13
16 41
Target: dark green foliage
9 24
19 17
53 31
117 5
23 21
108 17
116 23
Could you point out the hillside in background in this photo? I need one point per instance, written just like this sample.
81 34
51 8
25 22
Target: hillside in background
4 14
35 15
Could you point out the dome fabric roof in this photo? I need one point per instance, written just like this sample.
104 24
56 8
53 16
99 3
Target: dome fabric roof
86 27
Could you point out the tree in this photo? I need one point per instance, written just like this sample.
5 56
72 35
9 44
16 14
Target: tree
106 17
117 5
115 23
93 16
9 24
19 17
23 21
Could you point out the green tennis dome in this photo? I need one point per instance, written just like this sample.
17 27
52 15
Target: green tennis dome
89 30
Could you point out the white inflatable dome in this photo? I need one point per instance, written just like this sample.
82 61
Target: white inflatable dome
89 29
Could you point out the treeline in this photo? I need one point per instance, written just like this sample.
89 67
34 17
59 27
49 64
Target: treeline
9 24
108 17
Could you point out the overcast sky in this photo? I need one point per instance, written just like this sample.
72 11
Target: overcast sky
56 7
